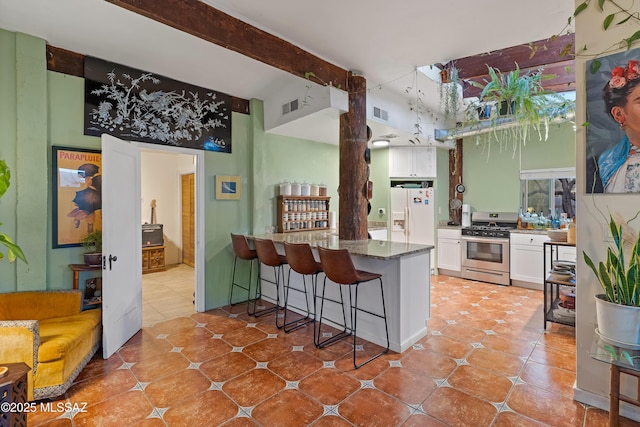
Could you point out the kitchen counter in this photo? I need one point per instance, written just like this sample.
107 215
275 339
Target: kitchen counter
527 231
406 280
378 249
451 227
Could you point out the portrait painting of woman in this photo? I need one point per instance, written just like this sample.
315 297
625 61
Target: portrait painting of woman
613 131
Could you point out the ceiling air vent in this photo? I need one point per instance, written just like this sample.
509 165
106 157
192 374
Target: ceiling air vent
290 107
381 114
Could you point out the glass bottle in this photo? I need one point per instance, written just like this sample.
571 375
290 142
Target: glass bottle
556 220
520 218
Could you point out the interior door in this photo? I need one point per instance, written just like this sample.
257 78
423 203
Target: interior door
121 243
188 220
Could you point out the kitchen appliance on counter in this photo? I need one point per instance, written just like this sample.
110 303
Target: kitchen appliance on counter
466 215
485 246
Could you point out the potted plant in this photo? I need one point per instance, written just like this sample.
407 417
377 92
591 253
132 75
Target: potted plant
618 309
522 98
92 244
13 250
450 96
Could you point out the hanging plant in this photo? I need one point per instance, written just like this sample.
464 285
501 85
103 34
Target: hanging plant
450 96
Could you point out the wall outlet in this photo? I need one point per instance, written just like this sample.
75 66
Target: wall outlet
381 211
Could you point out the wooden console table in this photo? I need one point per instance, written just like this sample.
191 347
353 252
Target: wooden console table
13 389
77 268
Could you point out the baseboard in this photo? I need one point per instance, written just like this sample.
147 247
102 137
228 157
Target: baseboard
527 285
446 272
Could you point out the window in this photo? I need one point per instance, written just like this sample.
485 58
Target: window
546 190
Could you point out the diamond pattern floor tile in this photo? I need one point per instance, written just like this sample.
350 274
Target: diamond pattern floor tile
485 362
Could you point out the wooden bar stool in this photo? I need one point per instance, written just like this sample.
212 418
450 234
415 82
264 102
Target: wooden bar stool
242 251
301 261
268 256
338 267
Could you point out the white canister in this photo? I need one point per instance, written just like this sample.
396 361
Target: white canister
285 188
315 190
295 189
305 189
332 220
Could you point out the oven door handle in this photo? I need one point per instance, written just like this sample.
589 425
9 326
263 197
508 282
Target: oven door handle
485 239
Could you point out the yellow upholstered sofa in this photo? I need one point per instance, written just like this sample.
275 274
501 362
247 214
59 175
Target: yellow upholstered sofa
48 331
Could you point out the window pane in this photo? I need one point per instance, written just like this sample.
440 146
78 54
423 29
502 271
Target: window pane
565 196
538 195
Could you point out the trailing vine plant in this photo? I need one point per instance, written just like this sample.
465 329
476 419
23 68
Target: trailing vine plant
619 16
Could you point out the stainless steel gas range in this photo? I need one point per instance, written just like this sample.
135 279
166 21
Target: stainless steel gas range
485 247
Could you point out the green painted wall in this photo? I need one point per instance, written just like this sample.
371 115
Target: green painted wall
379 174
8 121
279 158
24 140
492 176
442 185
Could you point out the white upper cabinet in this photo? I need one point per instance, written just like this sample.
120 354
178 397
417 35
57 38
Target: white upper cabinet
412 162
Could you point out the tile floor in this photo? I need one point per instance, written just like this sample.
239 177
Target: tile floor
485 362
167 294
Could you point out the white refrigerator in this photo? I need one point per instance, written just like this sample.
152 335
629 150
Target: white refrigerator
413 216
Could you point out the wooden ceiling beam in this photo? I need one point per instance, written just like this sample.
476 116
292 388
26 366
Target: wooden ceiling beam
201 20
530 56
564 78
546 52
72 63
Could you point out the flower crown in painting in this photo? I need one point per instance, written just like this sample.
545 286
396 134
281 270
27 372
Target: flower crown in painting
621 75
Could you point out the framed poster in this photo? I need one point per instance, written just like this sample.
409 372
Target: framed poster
228 187
613 140
77 194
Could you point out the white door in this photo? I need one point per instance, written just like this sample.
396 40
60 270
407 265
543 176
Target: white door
121 244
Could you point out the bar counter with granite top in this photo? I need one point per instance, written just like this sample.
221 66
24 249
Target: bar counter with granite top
406 278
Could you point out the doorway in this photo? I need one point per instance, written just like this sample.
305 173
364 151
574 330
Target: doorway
172 292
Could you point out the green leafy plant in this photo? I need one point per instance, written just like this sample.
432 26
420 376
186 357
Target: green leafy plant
616 13
525 101
13 250
92 242
620 282
450 99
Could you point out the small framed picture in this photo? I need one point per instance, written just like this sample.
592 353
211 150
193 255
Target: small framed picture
228 187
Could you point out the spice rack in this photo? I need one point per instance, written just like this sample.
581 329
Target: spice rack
303 213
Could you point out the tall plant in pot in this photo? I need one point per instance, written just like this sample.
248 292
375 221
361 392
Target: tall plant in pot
618 309
92 244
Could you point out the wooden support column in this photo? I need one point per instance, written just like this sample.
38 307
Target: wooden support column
455 178
352 222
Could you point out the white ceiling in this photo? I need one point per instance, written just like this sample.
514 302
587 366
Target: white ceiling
382 40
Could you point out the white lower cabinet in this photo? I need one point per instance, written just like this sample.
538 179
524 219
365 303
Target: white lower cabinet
449 251
526 259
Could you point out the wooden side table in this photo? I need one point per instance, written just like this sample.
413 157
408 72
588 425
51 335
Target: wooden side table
13 389
622 361
77 268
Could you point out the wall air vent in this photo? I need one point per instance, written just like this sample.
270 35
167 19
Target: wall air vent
290 107
381 114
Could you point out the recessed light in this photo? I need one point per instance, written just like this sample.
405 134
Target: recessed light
380 142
